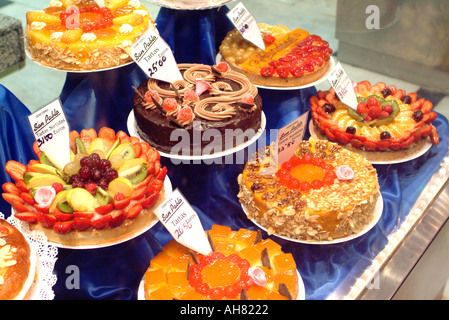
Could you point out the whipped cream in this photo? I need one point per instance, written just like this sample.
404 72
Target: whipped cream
134 3
56 36
57 4
126 29
143 13
36 25
88 37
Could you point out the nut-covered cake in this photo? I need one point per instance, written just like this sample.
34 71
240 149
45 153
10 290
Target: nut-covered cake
16 268
387 125
103 195
208 97
322 193
81 36
291 57
241 266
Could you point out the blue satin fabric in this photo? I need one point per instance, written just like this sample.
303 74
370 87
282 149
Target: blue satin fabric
105 99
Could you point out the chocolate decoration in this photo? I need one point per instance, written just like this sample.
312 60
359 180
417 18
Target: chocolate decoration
283 290
193 257
176 91
138 93
216 71
244 105
210 241
258 237
243 295
265 258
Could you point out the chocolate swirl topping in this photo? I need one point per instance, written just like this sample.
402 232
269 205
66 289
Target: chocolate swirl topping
222 100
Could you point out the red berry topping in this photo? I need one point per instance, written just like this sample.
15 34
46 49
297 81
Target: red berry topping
384 114
267 71
185 113
223 66
367 118
150 94
307 67
274 63
282 72
388 108
269 38
248 98
58 187
91 187
362 108
375 112
296 72
119 196
372 102
170 104
190 95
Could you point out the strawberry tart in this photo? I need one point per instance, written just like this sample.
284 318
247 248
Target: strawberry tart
103 195
388 124
242 266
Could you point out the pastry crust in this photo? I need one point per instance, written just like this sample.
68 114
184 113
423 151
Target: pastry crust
16 269
321 214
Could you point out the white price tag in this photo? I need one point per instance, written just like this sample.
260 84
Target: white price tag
51 131
245 23
100 3
155 58
289 137
340 81
183 223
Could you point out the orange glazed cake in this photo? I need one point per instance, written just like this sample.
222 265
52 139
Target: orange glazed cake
105 193
323 192
16 268
241 266
81 36
389 123
291 57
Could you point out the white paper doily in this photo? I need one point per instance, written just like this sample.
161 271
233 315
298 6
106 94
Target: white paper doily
47 256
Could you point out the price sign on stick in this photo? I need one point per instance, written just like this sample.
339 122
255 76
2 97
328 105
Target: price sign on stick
155 58
340 81
183 223
289 137
51 131
245 23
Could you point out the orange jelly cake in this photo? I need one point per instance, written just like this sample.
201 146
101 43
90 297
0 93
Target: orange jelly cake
16 269
241 266
388 124
291 57
105 193
81 36
322 193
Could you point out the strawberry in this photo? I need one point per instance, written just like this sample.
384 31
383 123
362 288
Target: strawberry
63 227
296 72
150 200
81 224
267 71
362 108
117 218
29 217
372 102
101 222
122 204
62 216
21 184
58 187
139 193
375 112
282 72
162 174
104 209
9 187
134 211
46 220
88 215
156 185
15 169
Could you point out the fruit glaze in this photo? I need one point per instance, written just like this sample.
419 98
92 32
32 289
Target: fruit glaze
386 119
80 35
323 192
241 266
111 183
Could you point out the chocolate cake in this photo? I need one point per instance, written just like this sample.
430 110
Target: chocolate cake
213 109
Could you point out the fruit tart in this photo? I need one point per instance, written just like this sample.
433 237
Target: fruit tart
241 266
324 192
291 57
389 123
105 194
17 264
81 36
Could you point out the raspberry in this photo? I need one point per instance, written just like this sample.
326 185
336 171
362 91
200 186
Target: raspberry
190 95
58 187
150 94
267 71
372 102
119 196
374 112
223 66
248 98
170 104
362 108
384 114
367 119
388 108
185 113
282 72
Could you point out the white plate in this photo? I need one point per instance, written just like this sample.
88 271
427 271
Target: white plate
219 59
377 214
75 71
132 130
301 289
190 5
168 190
402 156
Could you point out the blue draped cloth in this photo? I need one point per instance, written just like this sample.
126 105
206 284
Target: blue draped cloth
94 100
